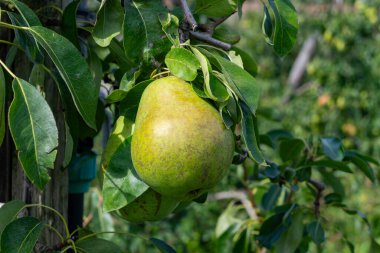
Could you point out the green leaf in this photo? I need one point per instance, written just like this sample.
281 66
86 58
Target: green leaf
286 26
249 136
2 105
216 8
129 105
291 239
129 80
341 166
69 23
121 183
291 149
249 63
8 212
26 41
109 21
37 75
182 63
69 147
239 80
270 198
362 165
162 246
240 7
375 246
73 70
97 245
332 148
170 24
21 235
316 232
226 34
271 230
34 132
267 26
367 158
29 17
333 198
143 36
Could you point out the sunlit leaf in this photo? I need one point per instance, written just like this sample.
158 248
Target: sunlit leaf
182 63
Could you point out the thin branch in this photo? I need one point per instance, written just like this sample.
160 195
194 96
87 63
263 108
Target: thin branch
206 37
239 195
189 18
210 27
320 187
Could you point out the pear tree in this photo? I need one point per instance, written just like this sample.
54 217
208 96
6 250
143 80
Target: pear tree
184 99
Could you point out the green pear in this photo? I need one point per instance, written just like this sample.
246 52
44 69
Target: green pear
180 145
150 206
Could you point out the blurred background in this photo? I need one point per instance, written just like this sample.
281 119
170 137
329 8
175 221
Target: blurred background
328 86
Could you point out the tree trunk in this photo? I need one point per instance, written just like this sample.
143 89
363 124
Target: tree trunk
13 182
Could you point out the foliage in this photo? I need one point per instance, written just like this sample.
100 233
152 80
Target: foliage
287 186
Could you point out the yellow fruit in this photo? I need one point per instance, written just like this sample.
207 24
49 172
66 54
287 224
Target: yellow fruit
180 146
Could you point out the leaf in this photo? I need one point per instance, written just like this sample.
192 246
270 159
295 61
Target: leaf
228 220
316 232
249 63
291 149
29 17
162 246
375 246
270 198
26 41
2 105
239 80
109 21
291 239
69 147
267 26
363 166
8 212
271 230
37 75
341 166
249 136
363 157
69 23
129 80
286 26
21 235
333 198
226 34
170 24
73 70
182 63
97 245
332 148
216 8
129 105
34 132
143 36
240 7
121 183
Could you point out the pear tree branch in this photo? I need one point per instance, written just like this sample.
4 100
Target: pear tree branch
190 27
320 187
239 195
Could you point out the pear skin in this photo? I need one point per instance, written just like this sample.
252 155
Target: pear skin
180 146
150 206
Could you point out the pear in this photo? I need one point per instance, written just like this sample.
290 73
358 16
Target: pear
150 206
180 145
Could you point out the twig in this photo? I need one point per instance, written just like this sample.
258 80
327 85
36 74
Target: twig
240 195
320 187
189 18
206 37
210 27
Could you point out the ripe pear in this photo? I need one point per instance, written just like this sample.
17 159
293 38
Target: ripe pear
180 146
150 206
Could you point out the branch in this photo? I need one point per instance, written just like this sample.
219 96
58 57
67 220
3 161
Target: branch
320 188
239 195
189 18
206 37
